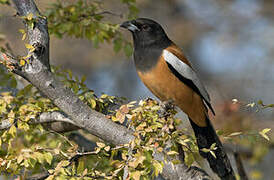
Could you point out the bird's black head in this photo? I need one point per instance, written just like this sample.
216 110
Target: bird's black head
146 32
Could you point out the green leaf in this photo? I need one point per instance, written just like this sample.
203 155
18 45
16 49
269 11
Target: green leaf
172 153
158 167
39 156
213 146
213 154
263 133
83 79
128 49
260 102
117 45
205 150
189 159
135 175
235 134
81 167
5 2
12 130
48 157
32 162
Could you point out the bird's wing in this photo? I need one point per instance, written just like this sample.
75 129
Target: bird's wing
187 75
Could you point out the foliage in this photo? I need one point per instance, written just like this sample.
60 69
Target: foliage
85 19
7 80
27 147
5 2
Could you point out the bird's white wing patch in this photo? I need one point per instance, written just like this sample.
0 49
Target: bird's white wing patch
185 71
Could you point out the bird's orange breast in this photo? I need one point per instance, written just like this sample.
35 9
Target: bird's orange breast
166 86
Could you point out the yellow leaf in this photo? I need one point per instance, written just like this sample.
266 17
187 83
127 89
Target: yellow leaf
32 49
85 172
51 177
51 171
93 103
251 104
65 163
114 119
97 150
80 167
27 56
158 168
22 31
103 96
11 116
189 159
22 62
141 126
124 156
100 144
213 146
235 134
205 150
135 175
72 9
264 136
266 130
137 161
263 133
48 156
160 149
39 156
24 36
29 16
12 130
260 102
8 165
213 154
255 174
29 46
20 159
107 148
172 153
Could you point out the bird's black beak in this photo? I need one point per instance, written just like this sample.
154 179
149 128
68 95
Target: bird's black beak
130 25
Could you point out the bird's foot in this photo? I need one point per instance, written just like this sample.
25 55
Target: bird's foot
166 106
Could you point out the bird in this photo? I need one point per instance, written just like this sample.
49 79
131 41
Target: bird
169 75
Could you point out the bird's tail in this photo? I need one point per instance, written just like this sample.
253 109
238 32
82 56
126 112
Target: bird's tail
206 136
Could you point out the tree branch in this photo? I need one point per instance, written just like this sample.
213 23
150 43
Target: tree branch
37 72
54 118
240 166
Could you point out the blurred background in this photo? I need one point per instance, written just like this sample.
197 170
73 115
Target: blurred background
229 42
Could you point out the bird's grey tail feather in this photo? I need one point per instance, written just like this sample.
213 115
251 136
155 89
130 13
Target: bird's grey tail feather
206 136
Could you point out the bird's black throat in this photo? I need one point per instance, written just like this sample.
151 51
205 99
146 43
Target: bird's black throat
146 54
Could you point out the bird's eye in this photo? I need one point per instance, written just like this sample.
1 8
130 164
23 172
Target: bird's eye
145 27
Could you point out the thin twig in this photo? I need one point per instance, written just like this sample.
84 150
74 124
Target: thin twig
240 166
